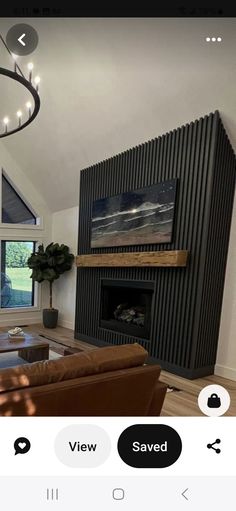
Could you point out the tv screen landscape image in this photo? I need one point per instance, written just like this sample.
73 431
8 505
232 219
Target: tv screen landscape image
140 217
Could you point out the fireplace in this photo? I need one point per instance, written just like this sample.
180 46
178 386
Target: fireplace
182 312
126 306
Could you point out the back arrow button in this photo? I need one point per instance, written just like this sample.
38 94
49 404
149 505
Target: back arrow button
183 494
20 39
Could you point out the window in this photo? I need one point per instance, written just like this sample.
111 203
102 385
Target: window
14 210
17 288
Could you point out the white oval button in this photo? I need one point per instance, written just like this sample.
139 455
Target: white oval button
84 446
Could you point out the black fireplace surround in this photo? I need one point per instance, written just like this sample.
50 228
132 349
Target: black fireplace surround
180 331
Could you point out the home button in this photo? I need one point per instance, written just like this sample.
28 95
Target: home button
149 446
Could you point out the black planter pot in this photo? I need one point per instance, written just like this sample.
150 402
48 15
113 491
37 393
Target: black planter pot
50 318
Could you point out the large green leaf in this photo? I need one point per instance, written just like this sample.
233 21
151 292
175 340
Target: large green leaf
50 262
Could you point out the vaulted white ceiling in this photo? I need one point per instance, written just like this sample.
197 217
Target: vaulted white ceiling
110 84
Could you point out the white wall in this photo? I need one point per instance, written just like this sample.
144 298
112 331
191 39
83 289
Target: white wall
226 357
40 233
115 83
65 230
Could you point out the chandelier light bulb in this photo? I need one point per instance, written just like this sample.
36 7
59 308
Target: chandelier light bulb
14 57
30 68
19 115
37 81
29 106
5 122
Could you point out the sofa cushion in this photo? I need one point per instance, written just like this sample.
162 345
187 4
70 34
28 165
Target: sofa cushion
96 361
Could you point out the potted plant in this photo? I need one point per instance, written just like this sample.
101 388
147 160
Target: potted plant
48 264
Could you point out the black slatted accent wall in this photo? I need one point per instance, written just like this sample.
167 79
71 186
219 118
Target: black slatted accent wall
187 301
216 243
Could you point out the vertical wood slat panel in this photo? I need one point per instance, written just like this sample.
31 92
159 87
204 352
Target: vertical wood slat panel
183 334
216 250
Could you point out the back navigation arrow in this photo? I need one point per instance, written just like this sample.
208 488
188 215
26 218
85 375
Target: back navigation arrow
184 494
20 39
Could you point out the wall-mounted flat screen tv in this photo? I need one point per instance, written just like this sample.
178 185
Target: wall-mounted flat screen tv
140 217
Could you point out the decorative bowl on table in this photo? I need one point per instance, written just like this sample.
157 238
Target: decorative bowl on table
16 334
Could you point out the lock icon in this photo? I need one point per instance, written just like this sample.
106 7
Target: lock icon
214 401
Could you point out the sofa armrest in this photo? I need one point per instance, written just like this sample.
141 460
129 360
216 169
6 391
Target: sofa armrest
157 400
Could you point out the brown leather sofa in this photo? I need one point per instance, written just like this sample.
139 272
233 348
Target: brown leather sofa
111 381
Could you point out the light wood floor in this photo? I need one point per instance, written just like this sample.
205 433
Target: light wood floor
180 403
184 402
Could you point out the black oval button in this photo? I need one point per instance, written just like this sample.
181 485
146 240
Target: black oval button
149 446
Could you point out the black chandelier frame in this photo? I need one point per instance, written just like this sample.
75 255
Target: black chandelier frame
19 77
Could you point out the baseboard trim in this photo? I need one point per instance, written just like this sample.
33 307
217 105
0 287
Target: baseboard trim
66 324
225 372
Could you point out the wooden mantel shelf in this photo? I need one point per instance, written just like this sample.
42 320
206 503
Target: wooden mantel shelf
168 258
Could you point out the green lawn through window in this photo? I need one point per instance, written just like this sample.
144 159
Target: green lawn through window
21 287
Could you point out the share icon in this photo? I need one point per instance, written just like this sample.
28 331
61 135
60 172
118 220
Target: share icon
211 446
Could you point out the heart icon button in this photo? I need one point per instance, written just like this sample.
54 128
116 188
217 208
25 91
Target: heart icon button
22 445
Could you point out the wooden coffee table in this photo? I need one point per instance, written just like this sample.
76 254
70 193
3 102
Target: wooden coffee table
31 349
